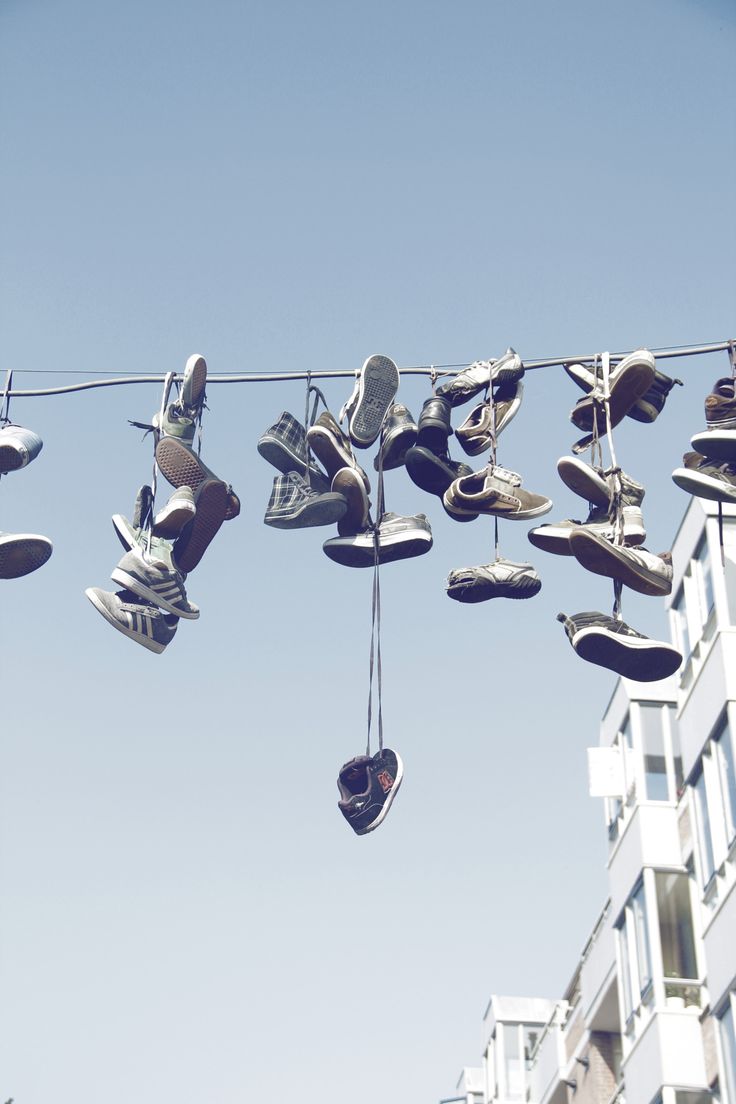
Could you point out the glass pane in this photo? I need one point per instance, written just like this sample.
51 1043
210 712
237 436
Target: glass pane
639 916
655 763
706 579
514 1070
531 1037
705 844
682 637
728 1043
725 757
675 926
625 970
676 749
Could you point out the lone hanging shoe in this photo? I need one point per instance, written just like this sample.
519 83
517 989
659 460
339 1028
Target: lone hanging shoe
500 579
642 571
609 643
368 786
18 447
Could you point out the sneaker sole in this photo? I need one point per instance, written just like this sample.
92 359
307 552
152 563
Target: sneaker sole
12 458
641 660
195 381
602 558
556 539
704 486
389 800
402 546
136 586
483 590
717 444
181 467
643 410
428 471
583 481
379 382
211 503
22 554
628 388
458 511
348 483
328 510
146 641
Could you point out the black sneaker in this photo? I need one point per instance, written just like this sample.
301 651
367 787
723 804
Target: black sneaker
609 643
368 785
399 434
434 425
433 473
399 538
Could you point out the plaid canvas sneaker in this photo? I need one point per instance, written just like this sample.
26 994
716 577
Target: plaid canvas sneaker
496 491
284 445
500 579
398 435
636 568
212 501
609 643
295 505
22 553
399 538
555 538
628 381
368 786
704 478
332 447
18 447
155 581
645 409
474 434
356 518
596 485
374 392
482 373
178 512
130 615
182 467
718 442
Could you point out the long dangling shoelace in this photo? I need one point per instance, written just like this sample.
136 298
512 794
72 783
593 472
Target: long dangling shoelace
375 652
147 522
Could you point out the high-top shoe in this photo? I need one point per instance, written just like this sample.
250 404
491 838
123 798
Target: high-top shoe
375 388
398 435
284 445
18 447
368 786
295 505
610 643
555 538
434 425
718 442
704 478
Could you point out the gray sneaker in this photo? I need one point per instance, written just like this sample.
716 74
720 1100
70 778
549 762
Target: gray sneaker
375 388
500 579
609 643
141 621
155 581
18 447
704 478
22 553
332 447
295 505
399 538
474 434
597 485
496 491
470 382
636 568
555 538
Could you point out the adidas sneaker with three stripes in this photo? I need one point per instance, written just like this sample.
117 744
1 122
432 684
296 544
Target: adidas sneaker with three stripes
154 580
140 620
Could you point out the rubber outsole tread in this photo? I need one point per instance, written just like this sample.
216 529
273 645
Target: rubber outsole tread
23 556
648 664
10 459
379 384
211 502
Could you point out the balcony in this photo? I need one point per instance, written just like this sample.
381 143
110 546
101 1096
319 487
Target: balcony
669 1051
598 984
650 838
548 1060
719 942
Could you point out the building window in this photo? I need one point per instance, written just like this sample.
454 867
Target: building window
656 786
714 798
728 1049
635 956
723 752
512 1061
681 636
705 840
677 938
531 1038
705 581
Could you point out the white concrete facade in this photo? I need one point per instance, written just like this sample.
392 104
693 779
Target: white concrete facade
649 1016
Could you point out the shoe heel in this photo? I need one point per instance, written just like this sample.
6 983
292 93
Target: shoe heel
634 531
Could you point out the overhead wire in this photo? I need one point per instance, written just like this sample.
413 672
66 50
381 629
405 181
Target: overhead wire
283 377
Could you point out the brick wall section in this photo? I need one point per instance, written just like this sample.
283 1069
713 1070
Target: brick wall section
597 1084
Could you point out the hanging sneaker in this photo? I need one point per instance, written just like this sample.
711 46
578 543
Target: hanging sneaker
609 643
495 491
133 536
351 487
399 538
500 579
636 568
718 442
645 409
192 394
285 446
156 582
597 485
178 512
472 380
706 478
295 505
213 506
332 448
555 538
368 786
628 381
398 435
22 553
375 388
18 447
175 423
141 621
434 425
182 467
474 434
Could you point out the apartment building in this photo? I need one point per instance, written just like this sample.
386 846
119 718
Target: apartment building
648 1015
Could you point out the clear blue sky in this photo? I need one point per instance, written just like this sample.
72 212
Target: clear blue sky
185 916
